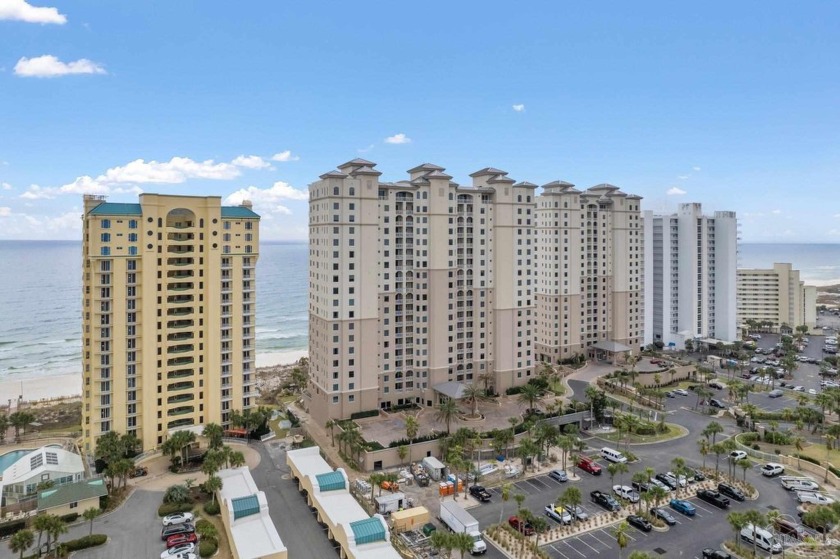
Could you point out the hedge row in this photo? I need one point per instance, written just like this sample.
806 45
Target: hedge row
363 414
171 508
808 459
68 518
85 542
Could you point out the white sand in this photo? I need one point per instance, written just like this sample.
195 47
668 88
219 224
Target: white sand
59 386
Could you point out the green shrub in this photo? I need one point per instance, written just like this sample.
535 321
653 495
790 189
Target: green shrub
201 522
748 438
207 547
363 414
756 447
808 459
777 437
645 429
68 518
834 470
513 390
85 542
172 508
212 508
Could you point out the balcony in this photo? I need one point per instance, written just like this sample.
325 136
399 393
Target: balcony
180 237
180 286
182 410
180 274
180 249
180 312
179 324
179 337
179 299
179 261
180 373
184 348
180 398
180 423
180 361
175 386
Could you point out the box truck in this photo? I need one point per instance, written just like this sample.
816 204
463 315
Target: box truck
459 520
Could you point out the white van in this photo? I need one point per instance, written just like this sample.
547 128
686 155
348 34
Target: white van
763 539
612 455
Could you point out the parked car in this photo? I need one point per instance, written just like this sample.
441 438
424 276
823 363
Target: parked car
626 492
670 482
605 500
813 497
696 475
665 487
178 539
558 513
678 479
140 471
175 552
683 506
710 553
663 515
713 497
793 483
680 392
185 528
578 512
772 469
731 491
588 465
559 475
790 528
177 518
640 487
736 455
776 393
639 522
521 526
715 403
480 493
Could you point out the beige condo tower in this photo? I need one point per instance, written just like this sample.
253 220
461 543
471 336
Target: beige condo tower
169 307
421 286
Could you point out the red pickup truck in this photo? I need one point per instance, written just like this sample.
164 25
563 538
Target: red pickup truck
588 465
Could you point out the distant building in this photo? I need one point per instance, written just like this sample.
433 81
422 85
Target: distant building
690 276
245 517
169 307
422 284
47 464
775 298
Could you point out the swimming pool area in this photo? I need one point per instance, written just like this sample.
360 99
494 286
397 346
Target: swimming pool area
10 458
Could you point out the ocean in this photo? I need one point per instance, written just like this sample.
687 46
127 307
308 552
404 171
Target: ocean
40 302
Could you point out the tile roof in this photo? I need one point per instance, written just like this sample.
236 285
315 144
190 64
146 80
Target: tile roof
71 493
116 208
331 481
238 212
245 506
368 530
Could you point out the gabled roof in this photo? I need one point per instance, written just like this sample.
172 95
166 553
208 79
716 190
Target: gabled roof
426 167
560 184
116 208
365 170
438 175
71 493
333 175
502 179
488 171
358 162
239 212
525 184
451 389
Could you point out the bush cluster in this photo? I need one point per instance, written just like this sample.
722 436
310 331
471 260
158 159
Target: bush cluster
68 518
85 542
212 508
777 437
807 459
206 548
363 414
172 508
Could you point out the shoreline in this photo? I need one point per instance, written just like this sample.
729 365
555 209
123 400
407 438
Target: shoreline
51 387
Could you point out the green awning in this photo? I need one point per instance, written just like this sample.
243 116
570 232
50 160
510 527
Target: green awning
331 481
245 506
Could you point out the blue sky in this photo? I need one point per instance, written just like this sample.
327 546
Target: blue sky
732 104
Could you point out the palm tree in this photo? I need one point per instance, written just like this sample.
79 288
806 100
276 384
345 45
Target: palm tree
712 430
505 498
757 519
4 426
473 394
412 426
41 523
566 444
705 449
571 498
214 433
447 411
799 443
441 541
462 543
212 485
90 515
237 459
745 465
57 528
21 541
737 521
330 426
375 479
530 396
621 538
18 420
717 450
402 452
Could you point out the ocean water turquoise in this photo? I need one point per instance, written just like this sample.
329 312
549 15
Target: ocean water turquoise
40 303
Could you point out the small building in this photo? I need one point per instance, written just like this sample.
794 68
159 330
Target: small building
46 464
368 538
245 517
72 497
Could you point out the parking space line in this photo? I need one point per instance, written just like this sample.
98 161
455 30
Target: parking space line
697 505
538 484
594 537
574 548
558 551
580 539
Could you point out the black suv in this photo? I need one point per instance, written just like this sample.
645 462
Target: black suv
714 498
667 481
731 491
663 515
185 528
641 487
480 493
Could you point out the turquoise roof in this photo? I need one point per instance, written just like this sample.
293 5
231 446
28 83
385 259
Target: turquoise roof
116 208
71 493
245 506
238 211
330 481
368 530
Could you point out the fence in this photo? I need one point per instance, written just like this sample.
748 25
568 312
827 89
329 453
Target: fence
792 461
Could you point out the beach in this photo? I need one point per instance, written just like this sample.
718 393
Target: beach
69 385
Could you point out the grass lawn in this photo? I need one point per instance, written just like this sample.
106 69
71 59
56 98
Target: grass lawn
673 432
274 425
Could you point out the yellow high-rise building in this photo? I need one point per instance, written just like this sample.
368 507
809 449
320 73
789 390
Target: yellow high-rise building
168 314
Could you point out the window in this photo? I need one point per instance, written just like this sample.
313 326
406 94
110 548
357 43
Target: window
132 251
132 237
105 224
105 251
132 224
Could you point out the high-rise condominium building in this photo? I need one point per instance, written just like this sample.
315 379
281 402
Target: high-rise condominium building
690 271
422 284
169 306
775 298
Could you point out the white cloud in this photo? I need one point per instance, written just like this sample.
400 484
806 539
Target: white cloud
284 156
5 211
367 149
174 171
268 198
776 212
6 186
675 191
695 169
251 162
35 192
48 66
836 215
519 108
20 10
398 139
683 177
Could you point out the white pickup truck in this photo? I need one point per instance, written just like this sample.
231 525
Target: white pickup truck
813 497
793 483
